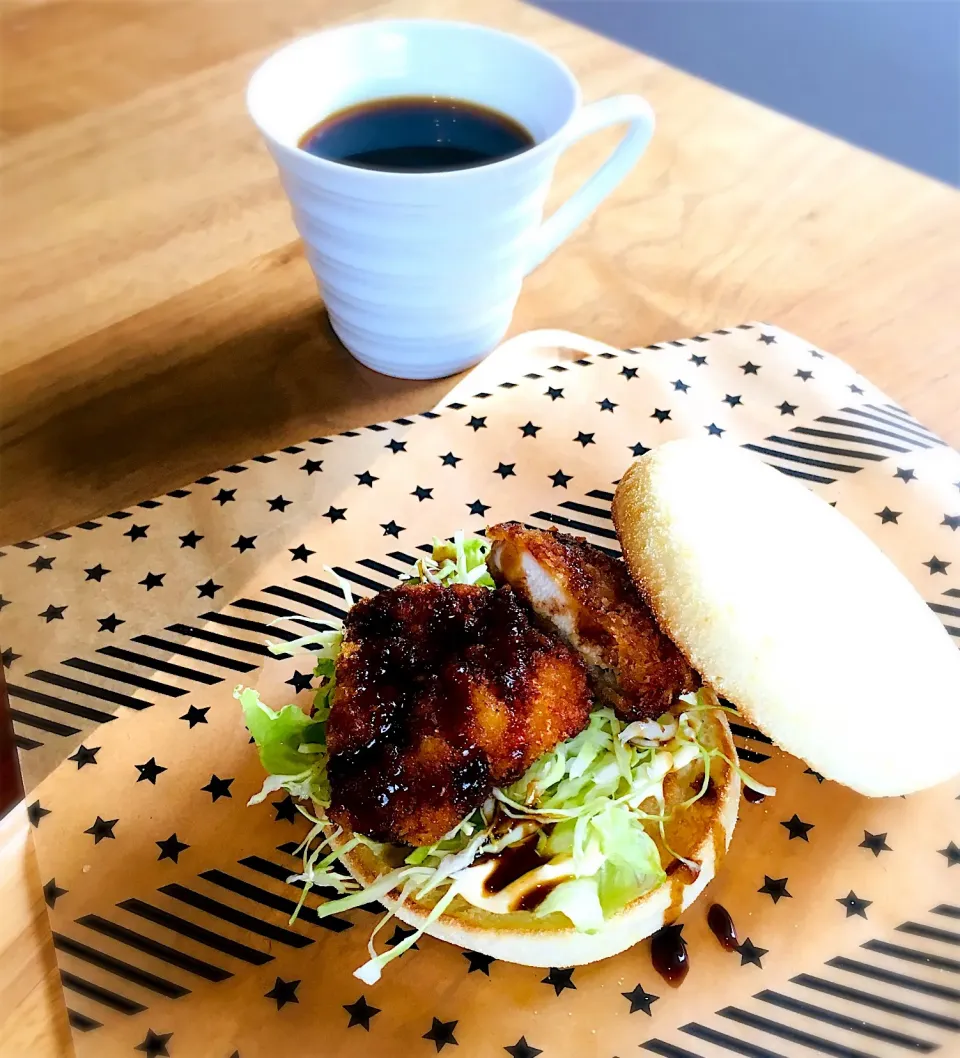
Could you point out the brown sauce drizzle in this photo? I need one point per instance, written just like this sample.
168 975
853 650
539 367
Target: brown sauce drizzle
722 927
753 796
668 952
511 864
532 899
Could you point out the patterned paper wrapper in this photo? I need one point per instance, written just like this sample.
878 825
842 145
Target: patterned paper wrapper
124 638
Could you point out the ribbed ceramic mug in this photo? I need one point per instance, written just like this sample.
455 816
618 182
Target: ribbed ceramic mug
420 272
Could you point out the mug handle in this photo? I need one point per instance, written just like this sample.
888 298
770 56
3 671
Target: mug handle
595 116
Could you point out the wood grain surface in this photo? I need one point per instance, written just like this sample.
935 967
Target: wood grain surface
159 319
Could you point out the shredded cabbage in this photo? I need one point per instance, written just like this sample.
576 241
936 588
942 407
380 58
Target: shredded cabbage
590 803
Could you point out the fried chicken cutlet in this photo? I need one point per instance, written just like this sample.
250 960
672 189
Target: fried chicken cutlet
589 598
442 693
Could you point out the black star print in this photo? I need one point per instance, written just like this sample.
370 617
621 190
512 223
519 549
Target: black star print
300 681
714 431
244 543
854 905
732 400
522 1049
313 466
366 478
477 422
422 494
775 888
660 415
478 508
815 774
286 810
876 843
855 389
3 602
102 828
42 562
749 369
628 372
109 624
85 756
336 514
396 446
952 853
391 528
8 657
283 992
225 496
478 961
278 503
208 589
529 430
886 515
300 553
155 1044
360 1013
905 474
951 521
190 539
698 360
441 1033
152 580
560 479
137 532
584 439
52 613
640 1000
680 386
450 460
787 409
638 450
170 848
805 375
936 565
606 404
750 953
36 812
554 394
560 979
505 470
149 771
52 892
797 828
218 787
400 934
195 716
767 339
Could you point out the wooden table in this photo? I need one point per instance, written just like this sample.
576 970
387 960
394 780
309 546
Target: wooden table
159 318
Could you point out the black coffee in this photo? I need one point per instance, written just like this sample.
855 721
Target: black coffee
416 134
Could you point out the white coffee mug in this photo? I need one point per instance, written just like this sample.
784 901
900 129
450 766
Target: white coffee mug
420 272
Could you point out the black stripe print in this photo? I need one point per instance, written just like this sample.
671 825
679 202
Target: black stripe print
184 928
281 874
195 654
160 666
223 641
949 611
667 1050
832 435
81 1022
570 523
911 955
379 567
41 723
599 494
900 416
818 479
22 742
729 1043
878 974
792 457
124 677
133 974
583 508
751 733
304 600
40 698
230 914
105 695
809 446
243 625
402 556
273 900
917 929
890 1006
166 954
100 995
359 579
903 437
946 909
752 756
330 589
785 1032
908 428
842 1021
